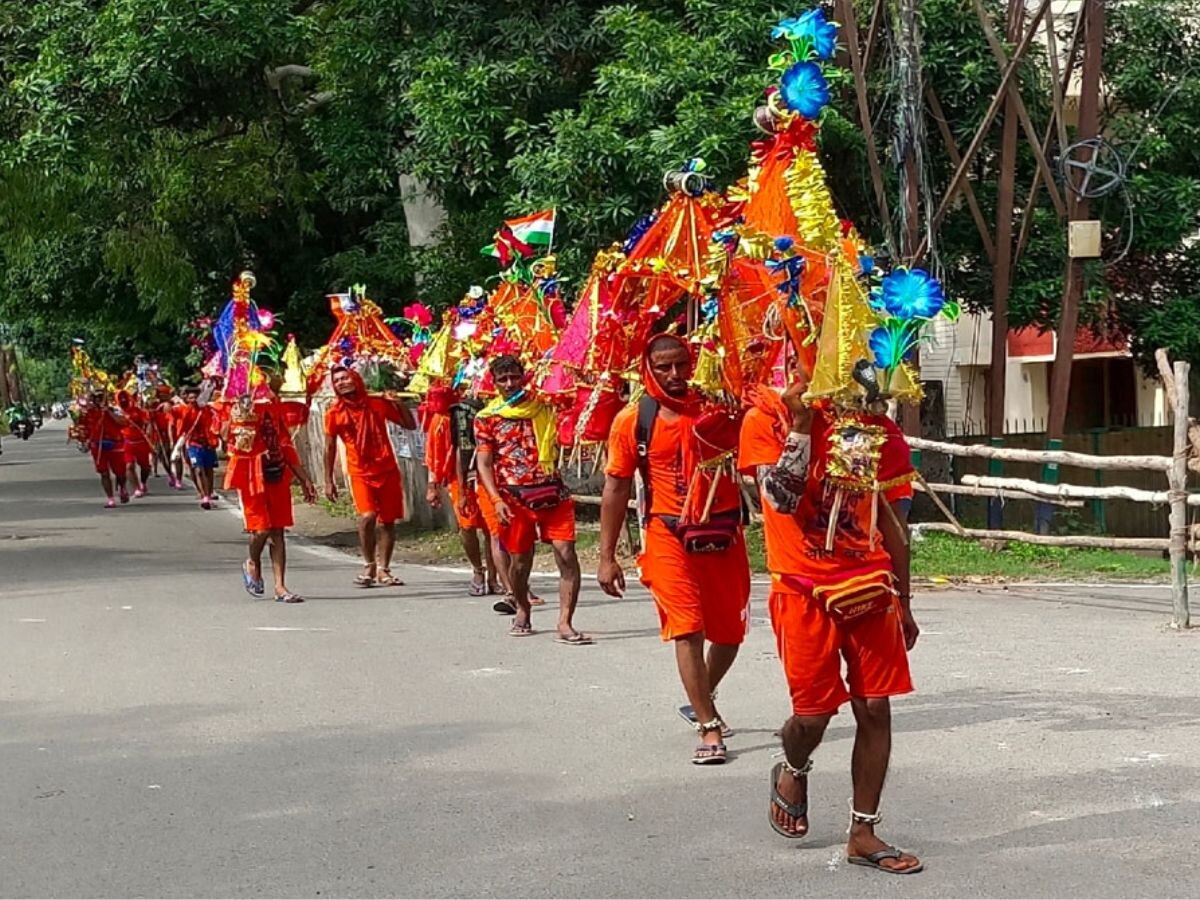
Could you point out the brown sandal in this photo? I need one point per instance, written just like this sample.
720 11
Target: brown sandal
385 578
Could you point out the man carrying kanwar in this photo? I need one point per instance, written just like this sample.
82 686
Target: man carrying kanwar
836 491
360 420
517 462
101 427
137 443
194 432
262 463
697 571
450 461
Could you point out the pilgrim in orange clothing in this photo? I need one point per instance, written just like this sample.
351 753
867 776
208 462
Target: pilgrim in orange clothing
195 425
137 443
450 464
699 595
517 464
102 428
262 461
839 568
360 420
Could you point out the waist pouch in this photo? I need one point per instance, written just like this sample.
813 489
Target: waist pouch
714 536
849 601
272 470
107 444
538 497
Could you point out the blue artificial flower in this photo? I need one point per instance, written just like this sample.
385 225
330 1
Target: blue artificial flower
890 344
866 263
912 294
813 28
783 243
804 90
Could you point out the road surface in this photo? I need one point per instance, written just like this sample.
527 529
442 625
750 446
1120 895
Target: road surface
164 735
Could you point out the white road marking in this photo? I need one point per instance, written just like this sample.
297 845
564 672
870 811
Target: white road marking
489 672
286 628
31 620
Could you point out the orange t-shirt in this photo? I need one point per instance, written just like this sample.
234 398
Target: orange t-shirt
196 423
377 458
139 423
668 480
99 425
796 542
440 457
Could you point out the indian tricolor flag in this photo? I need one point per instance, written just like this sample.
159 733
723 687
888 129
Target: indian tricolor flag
524 236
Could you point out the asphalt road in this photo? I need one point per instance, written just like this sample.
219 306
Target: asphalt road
164 735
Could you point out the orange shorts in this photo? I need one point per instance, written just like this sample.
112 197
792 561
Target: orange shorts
137 455
812 647
270 509
107 461
382 494
487 509
474 516
521 533
706 593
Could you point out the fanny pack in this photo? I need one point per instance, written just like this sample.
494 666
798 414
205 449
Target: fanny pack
272 470
714 536
106 444
852 600
538 497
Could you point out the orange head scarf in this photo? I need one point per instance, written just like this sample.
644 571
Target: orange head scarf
689 404
125 400
369 430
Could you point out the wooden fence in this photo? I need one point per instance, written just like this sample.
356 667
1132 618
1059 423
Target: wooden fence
1048 492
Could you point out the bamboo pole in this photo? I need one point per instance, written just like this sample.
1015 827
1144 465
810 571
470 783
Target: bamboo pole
1074 491
1000 494
1177 479
1054 540
1062 457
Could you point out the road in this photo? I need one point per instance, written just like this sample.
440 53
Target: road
164 735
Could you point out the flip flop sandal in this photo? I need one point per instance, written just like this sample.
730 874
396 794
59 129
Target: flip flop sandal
363 580
521 630
289 597
387 579
477 589
709 755
795 810
873 860
254 586
535 600
574 639
504 607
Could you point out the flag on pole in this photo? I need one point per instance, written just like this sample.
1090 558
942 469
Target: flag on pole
527 233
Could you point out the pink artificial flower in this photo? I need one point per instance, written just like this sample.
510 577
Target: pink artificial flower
419 313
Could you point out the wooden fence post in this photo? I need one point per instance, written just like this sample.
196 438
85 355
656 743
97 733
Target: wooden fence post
995 507
1177 488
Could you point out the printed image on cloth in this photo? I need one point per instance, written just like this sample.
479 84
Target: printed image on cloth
514 449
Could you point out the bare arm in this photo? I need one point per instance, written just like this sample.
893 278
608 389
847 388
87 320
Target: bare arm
330 458
614 507
894 529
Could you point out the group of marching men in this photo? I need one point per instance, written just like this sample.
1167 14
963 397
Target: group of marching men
832 602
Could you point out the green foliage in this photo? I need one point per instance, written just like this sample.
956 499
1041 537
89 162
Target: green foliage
154 148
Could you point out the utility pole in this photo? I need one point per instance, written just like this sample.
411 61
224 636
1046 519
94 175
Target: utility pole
1089 127
909 156
1002 269
5 397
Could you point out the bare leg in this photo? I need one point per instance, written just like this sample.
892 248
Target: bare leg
720 658
120 479
689 657
868 770
494 581
258 540
106 482
366 542
521 564
470 543
569 579
801 736
279 560
386 544
503 564
145 477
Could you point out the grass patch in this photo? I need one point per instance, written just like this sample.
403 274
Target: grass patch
940 555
